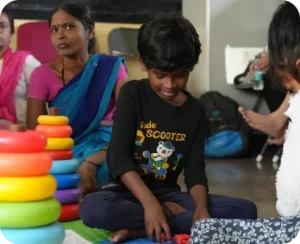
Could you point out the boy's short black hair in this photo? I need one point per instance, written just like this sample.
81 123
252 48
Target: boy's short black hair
169 43
284 40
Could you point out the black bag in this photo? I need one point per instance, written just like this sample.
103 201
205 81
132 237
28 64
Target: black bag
228 134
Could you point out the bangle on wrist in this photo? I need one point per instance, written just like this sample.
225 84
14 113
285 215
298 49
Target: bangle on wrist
91 162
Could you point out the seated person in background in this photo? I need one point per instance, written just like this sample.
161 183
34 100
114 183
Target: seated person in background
15 70
284 53
159 131
284 42
83 86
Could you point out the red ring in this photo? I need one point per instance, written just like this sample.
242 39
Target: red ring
22 142
61 155
69 212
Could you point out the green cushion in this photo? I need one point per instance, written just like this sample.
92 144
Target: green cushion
91 235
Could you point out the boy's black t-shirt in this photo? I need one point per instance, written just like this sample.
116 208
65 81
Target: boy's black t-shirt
156 138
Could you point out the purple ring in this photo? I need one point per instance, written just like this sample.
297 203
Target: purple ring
68 196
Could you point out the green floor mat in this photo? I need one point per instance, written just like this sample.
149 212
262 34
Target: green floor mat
92 235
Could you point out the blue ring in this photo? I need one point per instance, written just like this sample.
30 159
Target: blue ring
67 181
50 234
68 166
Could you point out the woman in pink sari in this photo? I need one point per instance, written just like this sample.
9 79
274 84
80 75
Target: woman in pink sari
15 70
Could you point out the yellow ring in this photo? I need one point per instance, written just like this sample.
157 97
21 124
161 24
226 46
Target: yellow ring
59 144
53 120
27 189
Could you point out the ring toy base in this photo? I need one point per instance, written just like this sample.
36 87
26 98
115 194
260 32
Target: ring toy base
68 196
29 214
27 189
64 166
49 234
69 212
61 155
67 181
24 164
17 142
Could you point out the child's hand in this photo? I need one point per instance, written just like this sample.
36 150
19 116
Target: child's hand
156 223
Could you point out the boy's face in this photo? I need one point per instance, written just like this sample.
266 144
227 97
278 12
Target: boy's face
168 84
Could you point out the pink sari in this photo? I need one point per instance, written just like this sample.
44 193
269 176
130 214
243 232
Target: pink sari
12 68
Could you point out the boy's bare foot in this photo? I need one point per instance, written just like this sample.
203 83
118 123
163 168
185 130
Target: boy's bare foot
271 124
122 235
126 234
174 207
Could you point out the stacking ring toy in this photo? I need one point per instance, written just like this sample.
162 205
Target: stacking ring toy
59 144
61 155
22 142
49 234
66 181
53 120
64 166
25 189
29 214
69 212
68 196
24 164
59 131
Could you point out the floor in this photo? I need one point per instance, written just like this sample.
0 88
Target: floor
240 178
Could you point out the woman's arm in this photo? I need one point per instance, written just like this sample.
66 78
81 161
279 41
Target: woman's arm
37 97
35 108
30 64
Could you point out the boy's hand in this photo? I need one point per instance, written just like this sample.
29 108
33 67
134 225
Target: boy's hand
200 213
156 223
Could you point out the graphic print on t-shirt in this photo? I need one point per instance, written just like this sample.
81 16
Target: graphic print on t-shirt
158 161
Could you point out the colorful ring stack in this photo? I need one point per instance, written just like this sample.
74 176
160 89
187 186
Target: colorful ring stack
64 168
28 211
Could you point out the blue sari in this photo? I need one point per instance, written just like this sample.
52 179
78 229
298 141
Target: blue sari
85 100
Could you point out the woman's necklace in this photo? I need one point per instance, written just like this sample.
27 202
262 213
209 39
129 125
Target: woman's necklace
63 72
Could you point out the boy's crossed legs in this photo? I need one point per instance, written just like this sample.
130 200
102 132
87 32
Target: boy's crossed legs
122 213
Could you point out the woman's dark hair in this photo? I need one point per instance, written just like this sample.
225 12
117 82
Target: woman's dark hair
11 20
169 43
284 40
82 13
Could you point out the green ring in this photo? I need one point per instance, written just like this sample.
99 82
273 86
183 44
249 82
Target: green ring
29 214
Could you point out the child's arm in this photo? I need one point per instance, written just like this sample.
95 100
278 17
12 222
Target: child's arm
195 176
122 166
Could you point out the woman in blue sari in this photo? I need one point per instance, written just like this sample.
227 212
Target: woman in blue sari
84 87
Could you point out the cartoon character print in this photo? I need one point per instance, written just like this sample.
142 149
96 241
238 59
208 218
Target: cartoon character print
158 162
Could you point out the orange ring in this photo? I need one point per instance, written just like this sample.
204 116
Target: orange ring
69 212
58 131
24 164
22 142
61 155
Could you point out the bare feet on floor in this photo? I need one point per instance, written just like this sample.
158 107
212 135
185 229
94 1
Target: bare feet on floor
270 124
122 235
126 234
174 207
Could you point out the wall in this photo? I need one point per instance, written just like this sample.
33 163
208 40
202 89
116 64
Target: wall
197 12
102 30
237 23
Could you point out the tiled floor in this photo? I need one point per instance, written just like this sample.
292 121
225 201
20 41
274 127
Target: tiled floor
240 178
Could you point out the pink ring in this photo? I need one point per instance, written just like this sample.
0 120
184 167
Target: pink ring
68 196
